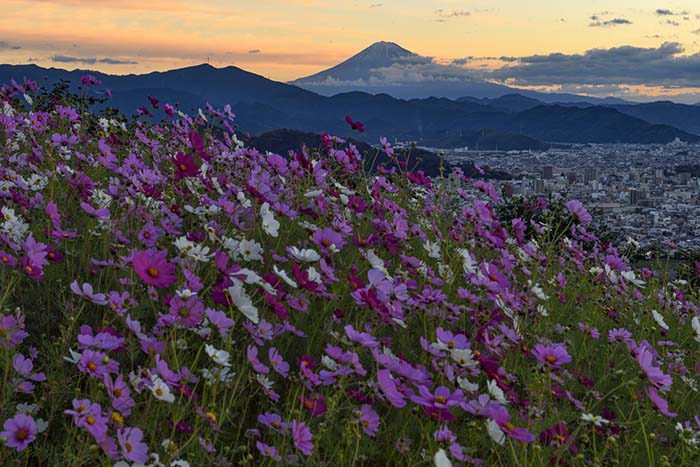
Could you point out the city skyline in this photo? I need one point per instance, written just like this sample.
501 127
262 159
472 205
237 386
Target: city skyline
638 50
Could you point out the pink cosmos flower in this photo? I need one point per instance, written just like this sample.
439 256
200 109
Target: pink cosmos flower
659 402
552 355
268 451
12 330
86 291
390 389
656 377
301 435
133 448
272 420
576 208
19 431
154 269
501 416
277 362
369 420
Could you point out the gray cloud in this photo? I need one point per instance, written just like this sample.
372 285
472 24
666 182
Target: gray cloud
462 61
608 23
375 5
667 12
447 14
4 45
661 66
672 23
254 51
90 60
697 31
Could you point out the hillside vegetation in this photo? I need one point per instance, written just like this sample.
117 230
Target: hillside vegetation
168 297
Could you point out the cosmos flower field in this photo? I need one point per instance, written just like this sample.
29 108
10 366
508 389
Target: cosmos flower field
169 297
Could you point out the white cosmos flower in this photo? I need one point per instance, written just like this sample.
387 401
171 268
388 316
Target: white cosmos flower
282 274
245 203
200 253
306 255
597 420
464 357
314 275
74 357
630 276
313 193
695 323
377 262
161 390
441 459
183 244
659 320
467 385
329 363
250 250
537 291
264 381
231 246
269 224
495 432
242 301
433 249
496 392
221 374
220 357
253 277
468 263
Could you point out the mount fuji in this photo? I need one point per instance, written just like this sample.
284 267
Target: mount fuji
388 68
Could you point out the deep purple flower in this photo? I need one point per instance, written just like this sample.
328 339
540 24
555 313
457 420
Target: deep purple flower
355 125
328 240
154 269
315 406
187 313
185 166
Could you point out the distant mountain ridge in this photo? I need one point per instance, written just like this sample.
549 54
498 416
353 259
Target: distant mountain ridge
262 105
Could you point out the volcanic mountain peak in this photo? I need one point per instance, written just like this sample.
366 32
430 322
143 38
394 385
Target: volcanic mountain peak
383 51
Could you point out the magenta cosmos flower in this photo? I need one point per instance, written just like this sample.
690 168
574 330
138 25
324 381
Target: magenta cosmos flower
579 211
553 355
301 435
19 431
153 268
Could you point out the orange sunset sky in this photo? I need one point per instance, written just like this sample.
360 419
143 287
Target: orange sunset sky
284 40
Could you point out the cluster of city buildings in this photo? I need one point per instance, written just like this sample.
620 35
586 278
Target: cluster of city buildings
645 192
